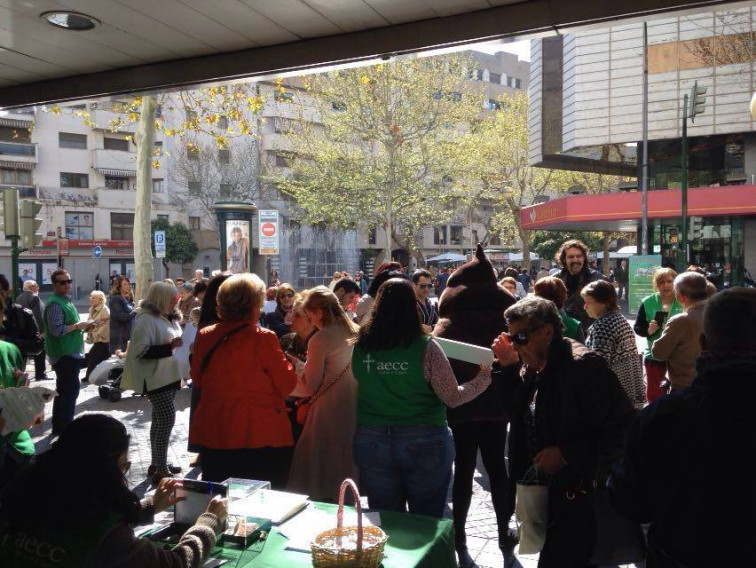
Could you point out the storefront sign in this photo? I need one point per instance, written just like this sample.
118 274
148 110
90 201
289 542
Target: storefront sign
237 251
268 231
641 270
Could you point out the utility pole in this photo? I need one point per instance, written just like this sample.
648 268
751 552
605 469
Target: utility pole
696 104
644 166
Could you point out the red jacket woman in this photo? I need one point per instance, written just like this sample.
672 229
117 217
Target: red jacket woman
241 421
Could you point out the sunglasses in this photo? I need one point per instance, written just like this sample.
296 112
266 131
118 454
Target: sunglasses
424 286
522 337
64 281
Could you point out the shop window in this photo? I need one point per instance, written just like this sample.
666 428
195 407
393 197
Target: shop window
70 140
120 144
68 179
122 226
116 182
79 224
194 223
439 235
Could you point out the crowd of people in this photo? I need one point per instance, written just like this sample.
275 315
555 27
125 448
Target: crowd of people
305 388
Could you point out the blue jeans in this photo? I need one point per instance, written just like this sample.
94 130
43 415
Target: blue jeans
403 466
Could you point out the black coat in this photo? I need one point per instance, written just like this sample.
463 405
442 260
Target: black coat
121 320
20 328
683 468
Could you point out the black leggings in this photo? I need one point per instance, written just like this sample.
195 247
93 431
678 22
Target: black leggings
490 436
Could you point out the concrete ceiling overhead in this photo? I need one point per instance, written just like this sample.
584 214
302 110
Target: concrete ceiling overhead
143 45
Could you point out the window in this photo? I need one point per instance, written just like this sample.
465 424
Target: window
281 124
158 186
224 157
192 152
494 78
115 182
79 224
456 236
518 84
479 74
68 179
283 97
225 190
282 161
338 106
191 115
122 226
439 235
70 140
194 188
117 144
194 223
166 218
157 149
223 123
373 236
15 177
12 134
159 111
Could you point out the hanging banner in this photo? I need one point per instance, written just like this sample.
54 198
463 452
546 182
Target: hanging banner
641 270
237 251
268 231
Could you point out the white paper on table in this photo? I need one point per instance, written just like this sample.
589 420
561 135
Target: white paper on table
302 529
23 407
466 351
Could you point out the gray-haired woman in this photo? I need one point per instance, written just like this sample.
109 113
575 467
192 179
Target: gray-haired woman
151 368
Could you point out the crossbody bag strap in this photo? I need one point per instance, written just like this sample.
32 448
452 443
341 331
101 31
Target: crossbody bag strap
209 354
325 388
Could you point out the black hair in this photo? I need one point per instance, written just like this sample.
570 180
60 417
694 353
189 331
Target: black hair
418 274
728 321
200 286
4 284
394 320
347 284
209 310
76 483
382 277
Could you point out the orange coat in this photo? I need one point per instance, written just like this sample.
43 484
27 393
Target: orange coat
242 389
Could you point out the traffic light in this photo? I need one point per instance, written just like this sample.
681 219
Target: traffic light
10 212
673 236
29 223
697 101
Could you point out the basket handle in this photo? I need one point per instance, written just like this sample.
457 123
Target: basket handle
340 515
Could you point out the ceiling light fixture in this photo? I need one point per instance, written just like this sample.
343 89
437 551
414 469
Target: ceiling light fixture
73 21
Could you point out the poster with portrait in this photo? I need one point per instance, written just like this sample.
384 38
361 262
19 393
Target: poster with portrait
27 271
237 246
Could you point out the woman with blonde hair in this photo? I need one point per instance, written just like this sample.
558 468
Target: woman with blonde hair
151 368
653 314
98 334
240 424
323 456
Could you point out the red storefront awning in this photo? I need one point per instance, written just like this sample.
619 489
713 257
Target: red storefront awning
622 211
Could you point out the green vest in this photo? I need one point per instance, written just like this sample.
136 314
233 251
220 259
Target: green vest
392 388
570 325
59 548
71 342
10 360
651 305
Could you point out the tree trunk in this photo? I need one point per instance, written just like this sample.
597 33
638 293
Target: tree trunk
525 238
389 221
145 140
605 261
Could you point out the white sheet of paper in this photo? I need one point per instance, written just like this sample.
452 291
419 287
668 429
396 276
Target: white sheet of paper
302 529
23 407
466 351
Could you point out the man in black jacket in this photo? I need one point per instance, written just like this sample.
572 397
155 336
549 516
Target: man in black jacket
569 416
685 454
19 326
576 274
30 300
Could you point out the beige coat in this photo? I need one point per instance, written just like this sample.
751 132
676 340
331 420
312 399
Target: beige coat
99 333
680 344
323 456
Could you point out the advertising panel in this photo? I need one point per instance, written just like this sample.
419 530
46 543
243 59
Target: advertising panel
237 251
268 231
641 270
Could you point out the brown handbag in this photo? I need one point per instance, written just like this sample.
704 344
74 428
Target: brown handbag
304 404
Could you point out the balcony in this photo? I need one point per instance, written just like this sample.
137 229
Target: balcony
22 156
114 162
79 197
24 191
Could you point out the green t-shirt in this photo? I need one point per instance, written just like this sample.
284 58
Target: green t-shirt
393 390
10 360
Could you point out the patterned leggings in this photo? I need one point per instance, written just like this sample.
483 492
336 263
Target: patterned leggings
163 418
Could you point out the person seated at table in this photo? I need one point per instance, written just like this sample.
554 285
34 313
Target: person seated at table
73 508
402 445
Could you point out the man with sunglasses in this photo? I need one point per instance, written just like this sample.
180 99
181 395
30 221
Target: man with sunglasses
421 282
569 417
64 343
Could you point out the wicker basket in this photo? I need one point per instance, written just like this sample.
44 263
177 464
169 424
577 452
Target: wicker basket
355 547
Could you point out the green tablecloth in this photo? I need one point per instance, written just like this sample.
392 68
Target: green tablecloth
413 541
